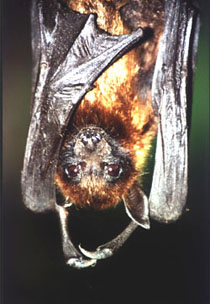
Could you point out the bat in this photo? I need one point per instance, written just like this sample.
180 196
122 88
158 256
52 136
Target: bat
107 77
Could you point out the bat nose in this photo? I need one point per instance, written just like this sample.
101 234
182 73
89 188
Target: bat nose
90 139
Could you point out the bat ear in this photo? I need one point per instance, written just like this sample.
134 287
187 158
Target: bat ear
137 206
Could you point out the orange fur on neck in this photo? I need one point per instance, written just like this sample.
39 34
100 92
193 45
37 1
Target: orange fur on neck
115 105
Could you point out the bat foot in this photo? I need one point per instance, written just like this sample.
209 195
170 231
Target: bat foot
80 263
102 252
108 249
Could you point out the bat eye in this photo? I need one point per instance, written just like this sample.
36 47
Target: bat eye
113 170
72 171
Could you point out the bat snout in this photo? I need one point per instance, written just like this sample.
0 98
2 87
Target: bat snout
90 139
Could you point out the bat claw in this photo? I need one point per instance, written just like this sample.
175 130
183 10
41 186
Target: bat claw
108 249
80 263
100 253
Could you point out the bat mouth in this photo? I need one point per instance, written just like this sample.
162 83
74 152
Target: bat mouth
90 137
91 143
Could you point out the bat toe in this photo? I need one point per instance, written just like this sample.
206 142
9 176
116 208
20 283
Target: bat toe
101 253
80 263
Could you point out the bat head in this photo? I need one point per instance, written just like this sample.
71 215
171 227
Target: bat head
94 169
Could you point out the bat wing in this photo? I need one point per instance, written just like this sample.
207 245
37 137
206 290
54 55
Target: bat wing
171 96
69 52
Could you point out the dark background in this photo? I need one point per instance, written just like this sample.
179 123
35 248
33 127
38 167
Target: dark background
167 265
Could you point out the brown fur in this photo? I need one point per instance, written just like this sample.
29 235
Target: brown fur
116 103
98 195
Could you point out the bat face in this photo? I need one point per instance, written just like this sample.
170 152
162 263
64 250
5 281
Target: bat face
94 170
106 144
